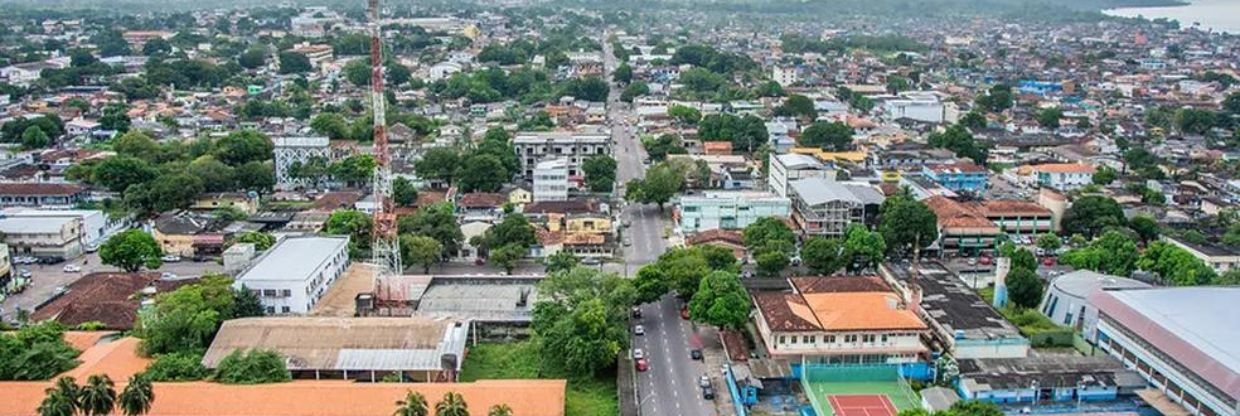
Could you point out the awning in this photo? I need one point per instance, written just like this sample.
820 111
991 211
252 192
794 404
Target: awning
1162 403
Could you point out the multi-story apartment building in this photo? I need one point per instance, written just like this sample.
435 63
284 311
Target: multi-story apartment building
1064 176
551 180
822 207
296 272
840 320
43 236
789 167
959 177
729 210
536 147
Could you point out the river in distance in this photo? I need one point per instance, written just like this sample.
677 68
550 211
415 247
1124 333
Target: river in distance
1217 15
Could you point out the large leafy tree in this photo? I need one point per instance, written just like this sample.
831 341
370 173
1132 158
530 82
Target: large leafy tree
294 63
907 223
863 248
581 319
478 173
662 182
1175 265
507 256
35 352
600 173
763 231
252 367
798 106
1112 253
835 136
720 301
1090 215
118 173
1024 287
131 250
560 261
403 192
824 256
440 163
436 221
186 319
353 223
420 250
243 146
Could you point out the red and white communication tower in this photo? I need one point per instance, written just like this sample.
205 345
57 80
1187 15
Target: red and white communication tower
385 248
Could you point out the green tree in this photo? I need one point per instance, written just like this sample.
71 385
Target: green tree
477 174
600 173
1104 176
958 139
58 402
1023 259
168 191
763 231
440 163
1049 117
98 396
560 261
772 262
684 114
436 221
35 138
798 106
185 320
35 352
580 319
506 256
397 75
973 120
256 176
662 182
131 250
357 72
907 223
651 284
623 74
137 396
720 301
118 173
823 256
261 241
294 63
975 408
997 99
1146 227
500 410
1049 242
634 90
403 192
353 223
1089 215
453 404
243 146
253 58
332 125
835 136
1175 266
215 175
421 250
414 404
863 248
254 366
1112 253
177 366
357 170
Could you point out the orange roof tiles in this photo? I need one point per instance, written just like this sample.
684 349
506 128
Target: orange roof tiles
1003 207
952 214
118 359
82 340
317 398
857 304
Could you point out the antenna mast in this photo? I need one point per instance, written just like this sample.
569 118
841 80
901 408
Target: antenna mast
385 248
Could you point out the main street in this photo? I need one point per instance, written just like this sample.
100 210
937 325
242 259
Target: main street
670 386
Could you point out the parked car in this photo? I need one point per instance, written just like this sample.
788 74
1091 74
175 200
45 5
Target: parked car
628 242
986 260
695 354
708 393
638 353
25 273
704 381
641 364
91 248
72 268
170 258
684 312
168 276
639 330
1048 261
636 311
972 261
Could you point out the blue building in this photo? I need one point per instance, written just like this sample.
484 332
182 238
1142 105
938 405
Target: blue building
1048 381
959 177
1039 87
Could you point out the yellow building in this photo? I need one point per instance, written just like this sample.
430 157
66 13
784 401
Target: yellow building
855 156
520 196
588 224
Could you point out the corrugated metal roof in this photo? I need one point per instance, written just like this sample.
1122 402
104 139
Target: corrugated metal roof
818 190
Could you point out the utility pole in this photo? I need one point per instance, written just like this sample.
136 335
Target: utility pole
385 246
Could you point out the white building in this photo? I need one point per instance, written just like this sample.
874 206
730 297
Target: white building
296 272
785 76
443 70
536 147
1179 340
291 151
786 168
551 180
729 210
1066 300
96 225
918 106
43 237
1064 176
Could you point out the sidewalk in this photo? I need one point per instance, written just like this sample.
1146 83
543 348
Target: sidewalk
714 358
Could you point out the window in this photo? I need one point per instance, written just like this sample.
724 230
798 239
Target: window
830 339
781 339
884 338
286 293
284 309
794 339
269 293
271 310
807 339
867 338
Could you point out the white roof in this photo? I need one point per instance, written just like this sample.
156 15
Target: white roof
558 137
799 161
817 190
294 258
300 141
1199 315
33 225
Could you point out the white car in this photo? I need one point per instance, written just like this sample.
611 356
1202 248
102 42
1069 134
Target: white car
170 258
639 330
168 276
72 268
638 354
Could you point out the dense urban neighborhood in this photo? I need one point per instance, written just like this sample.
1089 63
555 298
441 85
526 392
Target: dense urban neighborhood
652 208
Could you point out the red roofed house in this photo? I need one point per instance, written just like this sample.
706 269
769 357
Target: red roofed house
1017 217
40 194
962 229
112 299
1065 176
728 239
840 319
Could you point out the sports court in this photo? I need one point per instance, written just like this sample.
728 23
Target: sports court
861 405
857 390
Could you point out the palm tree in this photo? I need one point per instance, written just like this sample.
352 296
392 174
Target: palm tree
413 405
98 397
452 405
500 410
56 403
137 397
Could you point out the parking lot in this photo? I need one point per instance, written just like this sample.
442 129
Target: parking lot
45 278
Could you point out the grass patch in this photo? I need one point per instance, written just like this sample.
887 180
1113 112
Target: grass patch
521 360
1041 331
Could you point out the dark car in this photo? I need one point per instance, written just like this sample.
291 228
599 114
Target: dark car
708 393
695 354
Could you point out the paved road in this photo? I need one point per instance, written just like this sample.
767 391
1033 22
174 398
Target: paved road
670 387
45 279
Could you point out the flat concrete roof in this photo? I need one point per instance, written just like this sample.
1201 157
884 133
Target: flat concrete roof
294 258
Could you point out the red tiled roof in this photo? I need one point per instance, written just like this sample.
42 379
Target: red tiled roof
839 284
1004 207
776 308
952 214
716 236
481 200
110 298
41 188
